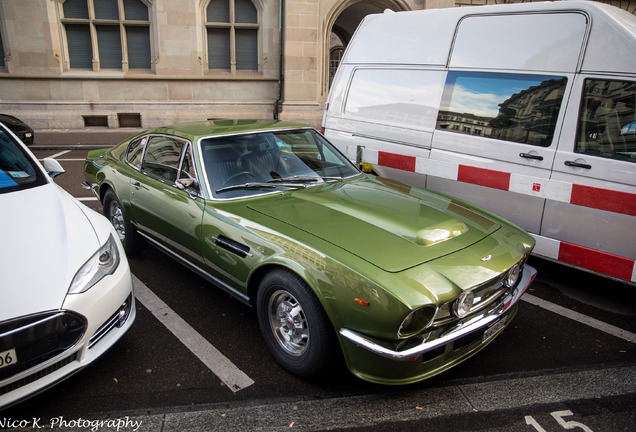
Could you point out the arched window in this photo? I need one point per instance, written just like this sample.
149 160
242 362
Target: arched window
107 34
232 35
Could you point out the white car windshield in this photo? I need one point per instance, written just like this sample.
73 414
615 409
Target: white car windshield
17 170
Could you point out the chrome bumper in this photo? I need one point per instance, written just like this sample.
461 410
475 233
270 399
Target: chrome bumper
458 331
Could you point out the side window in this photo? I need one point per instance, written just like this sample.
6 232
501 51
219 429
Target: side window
187 165
402 96
607 121
135 151
162 156
510 107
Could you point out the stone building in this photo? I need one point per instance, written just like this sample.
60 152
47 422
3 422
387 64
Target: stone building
71 64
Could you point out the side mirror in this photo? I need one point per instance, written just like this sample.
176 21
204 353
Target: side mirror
190 185
53 167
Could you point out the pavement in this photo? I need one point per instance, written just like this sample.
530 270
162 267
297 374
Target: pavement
88 137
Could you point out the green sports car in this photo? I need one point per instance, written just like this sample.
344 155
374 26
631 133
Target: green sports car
404 282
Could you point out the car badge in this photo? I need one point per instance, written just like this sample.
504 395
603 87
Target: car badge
487 258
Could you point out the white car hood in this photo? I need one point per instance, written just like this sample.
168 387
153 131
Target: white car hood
45 237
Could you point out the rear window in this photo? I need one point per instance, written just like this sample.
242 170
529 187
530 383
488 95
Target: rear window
511 107
17 170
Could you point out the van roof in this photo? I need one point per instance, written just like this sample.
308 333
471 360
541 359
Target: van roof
564 36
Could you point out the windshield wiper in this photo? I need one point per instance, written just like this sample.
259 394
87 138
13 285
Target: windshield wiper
302 179
258 185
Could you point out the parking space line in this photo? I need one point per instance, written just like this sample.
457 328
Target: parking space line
86 198
220 365
583 319
62 153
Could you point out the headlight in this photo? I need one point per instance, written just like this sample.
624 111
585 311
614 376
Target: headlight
417 321
512 276
463 304
103 263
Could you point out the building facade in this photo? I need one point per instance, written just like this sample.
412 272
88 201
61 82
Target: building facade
71 64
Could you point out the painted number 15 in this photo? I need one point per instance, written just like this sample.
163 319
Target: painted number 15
558 416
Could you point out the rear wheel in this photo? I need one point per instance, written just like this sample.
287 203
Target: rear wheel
294 324
126 232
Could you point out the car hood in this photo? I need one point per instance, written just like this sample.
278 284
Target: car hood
386 223
46 238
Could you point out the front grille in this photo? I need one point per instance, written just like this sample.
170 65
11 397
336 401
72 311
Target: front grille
39 338
37 375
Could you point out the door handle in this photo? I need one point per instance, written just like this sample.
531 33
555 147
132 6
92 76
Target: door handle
531 156
578 165
136 185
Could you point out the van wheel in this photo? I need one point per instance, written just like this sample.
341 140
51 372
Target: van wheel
294 325
125 230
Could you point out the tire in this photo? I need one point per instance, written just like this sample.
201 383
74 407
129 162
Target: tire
294 325
126 232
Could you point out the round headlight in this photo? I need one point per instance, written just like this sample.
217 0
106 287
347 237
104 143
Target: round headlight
417 321
463 304
512 276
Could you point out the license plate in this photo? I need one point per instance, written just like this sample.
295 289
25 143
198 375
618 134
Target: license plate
8 358
494 329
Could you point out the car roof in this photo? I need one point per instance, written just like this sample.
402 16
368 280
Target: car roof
225 127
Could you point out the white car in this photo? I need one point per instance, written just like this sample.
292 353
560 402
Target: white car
66 286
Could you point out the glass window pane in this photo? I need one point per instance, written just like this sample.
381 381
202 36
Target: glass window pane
106 9
511 107
162 158
135 151
138 39
245 11
109 45
219 49
135 10
80 50
607 122
219 11
76 9
246 49
401 96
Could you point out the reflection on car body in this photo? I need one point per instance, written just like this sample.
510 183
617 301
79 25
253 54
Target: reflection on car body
333 260
66 286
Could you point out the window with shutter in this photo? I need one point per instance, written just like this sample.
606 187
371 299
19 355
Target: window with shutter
232 35
97 31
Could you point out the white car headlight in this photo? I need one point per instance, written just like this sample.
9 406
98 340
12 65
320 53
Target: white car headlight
103 263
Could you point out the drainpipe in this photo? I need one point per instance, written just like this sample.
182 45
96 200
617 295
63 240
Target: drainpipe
281 33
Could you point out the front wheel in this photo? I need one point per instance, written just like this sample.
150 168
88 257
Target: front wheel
125 230
294 325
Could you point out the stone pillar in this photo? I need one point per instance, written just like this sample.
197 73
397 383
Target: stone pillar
302 62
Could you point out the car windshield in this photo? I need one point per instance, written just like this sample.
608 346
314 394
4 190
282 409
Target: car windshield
17 170
252 164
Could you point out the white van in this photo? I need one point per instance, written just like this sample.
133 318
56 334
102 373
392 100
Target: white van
527 110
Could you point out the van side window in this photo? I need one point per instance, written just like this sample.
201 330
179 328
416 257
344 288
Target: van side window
607 121
510 107
395 96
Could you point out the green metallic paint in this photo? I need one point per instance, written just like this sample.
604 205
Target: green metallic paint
396 246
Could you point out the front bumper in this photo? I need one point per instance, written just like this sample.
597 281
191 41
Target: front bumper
477 324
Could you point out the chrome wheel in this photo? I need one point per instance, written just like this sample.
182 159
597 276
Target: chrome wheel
288 322
117 219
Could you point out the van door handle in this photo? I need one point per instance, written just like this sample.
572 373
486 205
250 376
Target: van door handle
531 156
578 165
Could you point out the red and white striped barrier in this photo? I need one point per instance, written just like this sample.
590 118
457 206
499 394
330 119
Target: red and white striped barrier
587 196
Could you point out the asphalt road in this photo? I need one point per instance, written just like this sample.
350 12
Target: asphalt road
568 360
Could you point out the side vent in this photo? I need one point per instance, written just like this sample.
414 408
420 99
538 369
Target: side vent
232 246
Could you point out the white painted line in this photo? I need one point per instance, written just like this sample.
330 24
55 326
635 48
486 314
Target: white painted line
223 368
86 198
583 319
59 154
